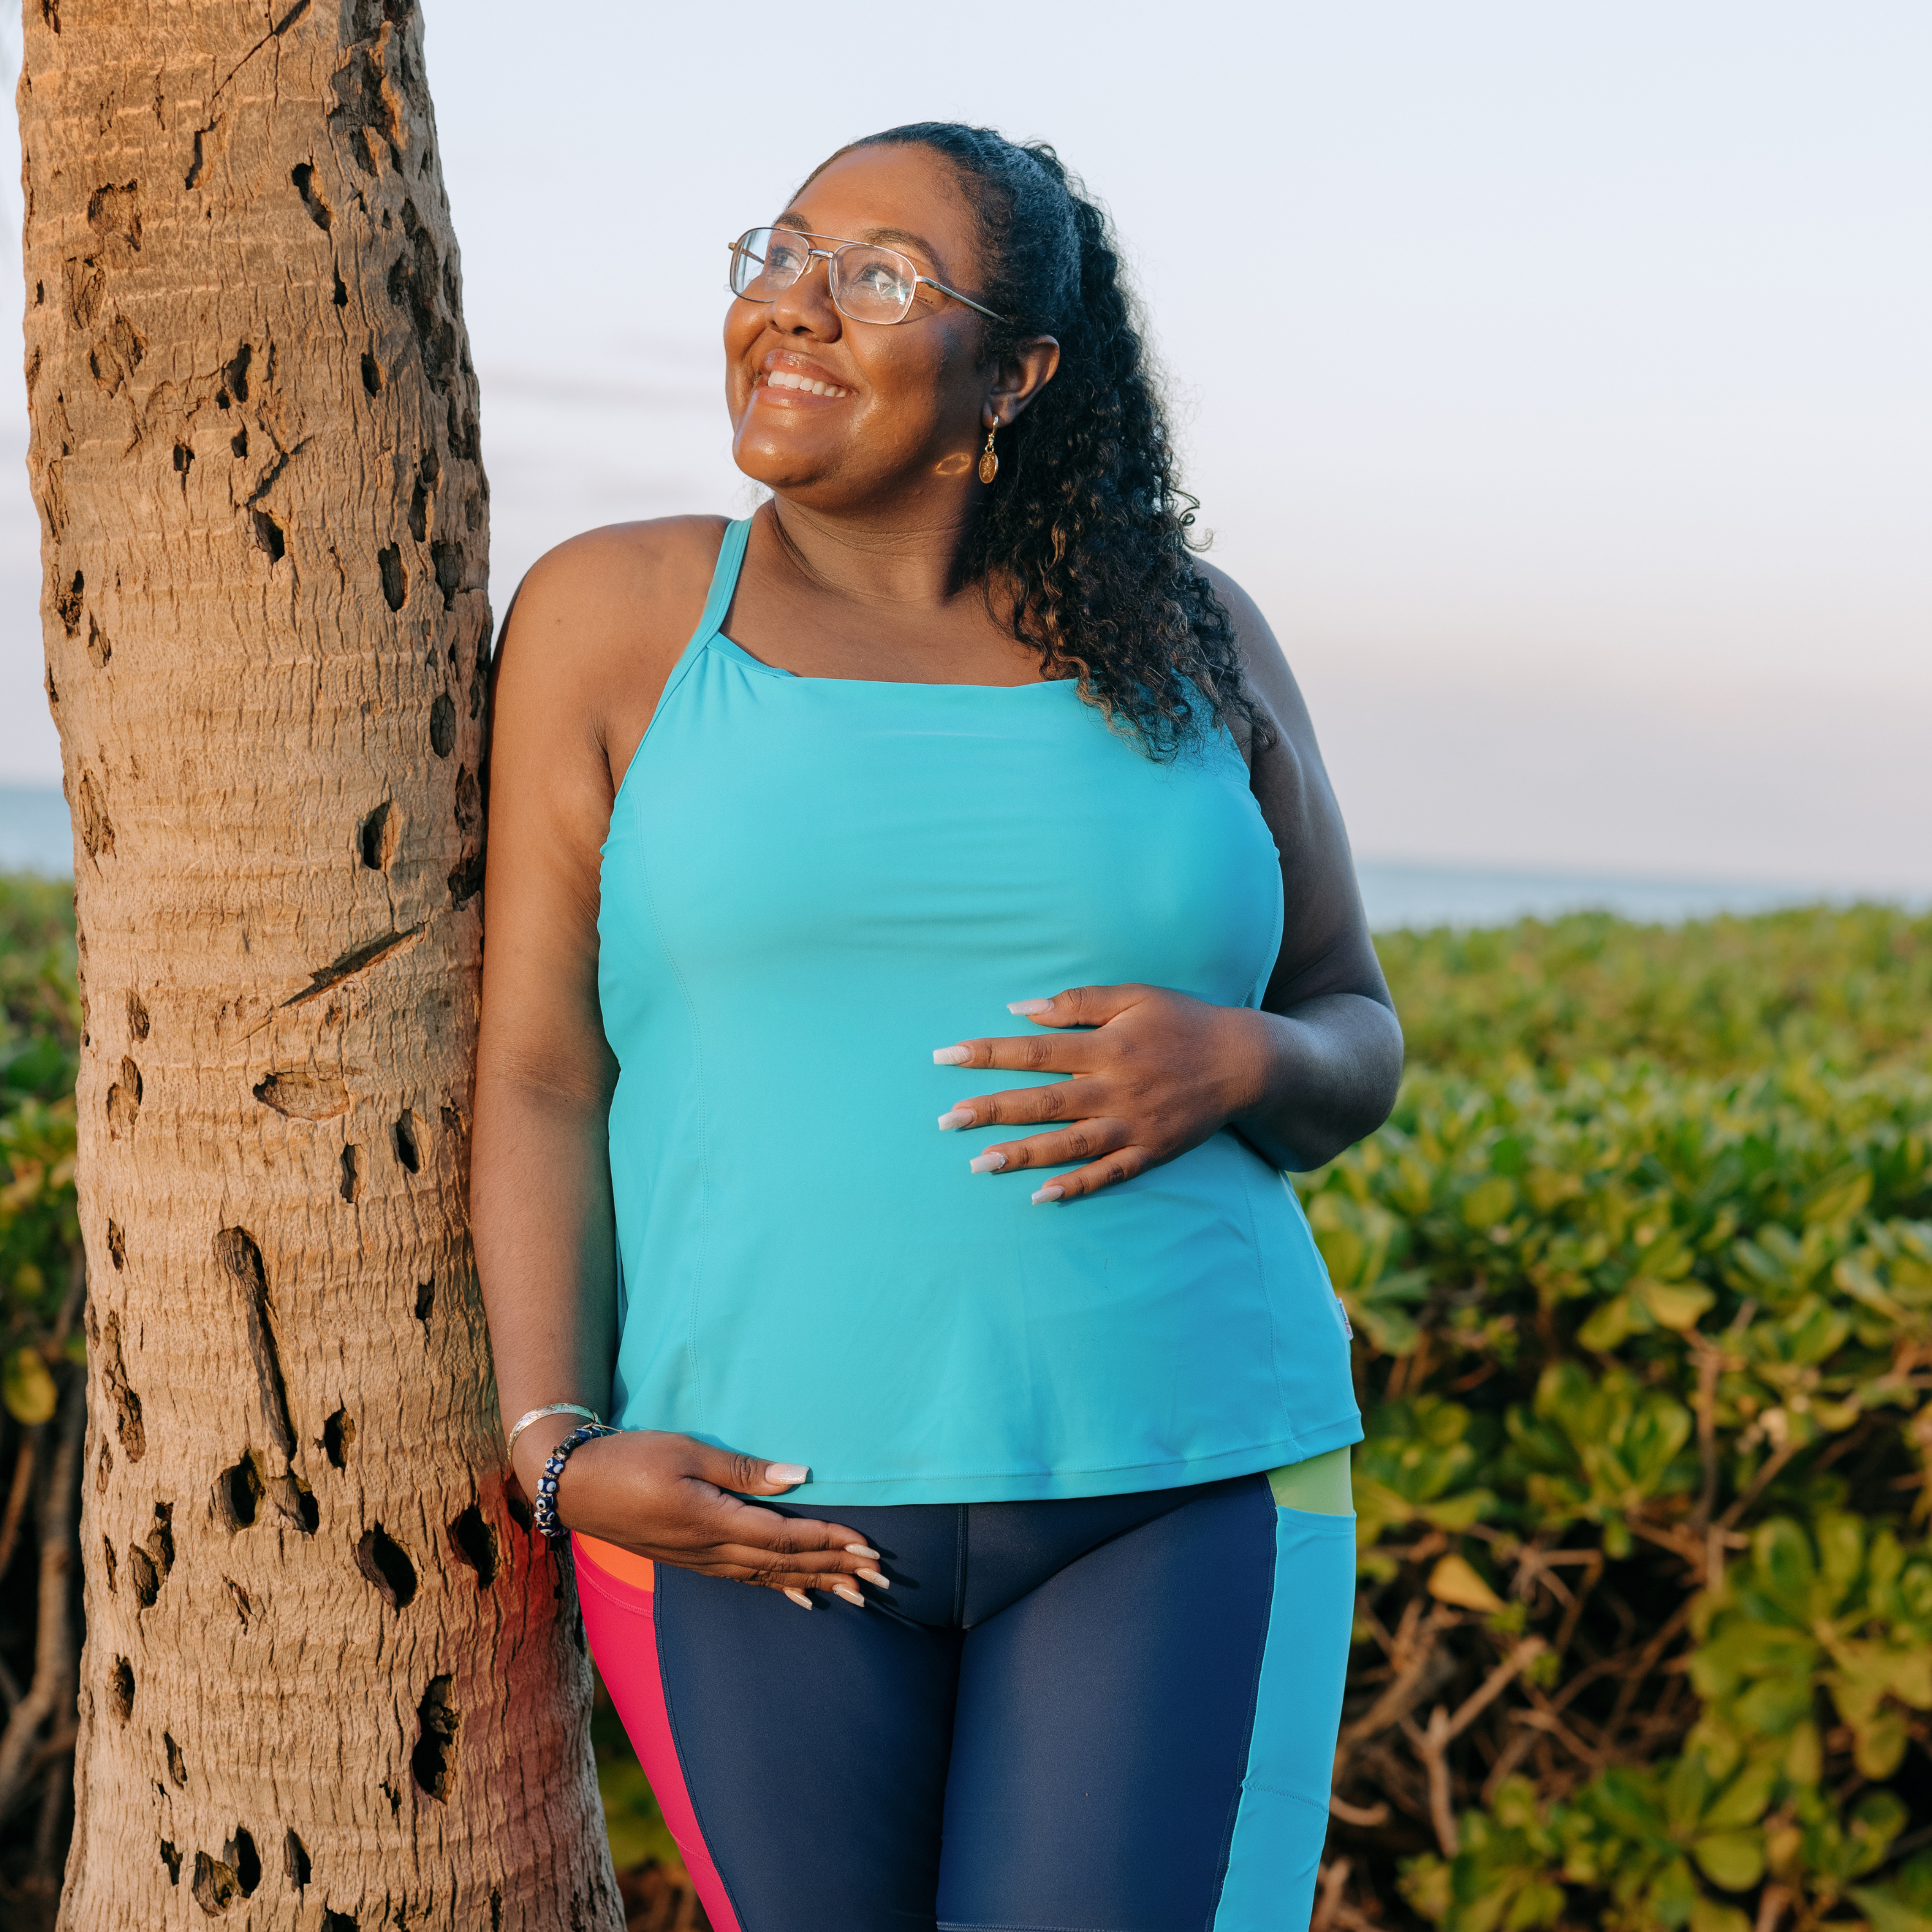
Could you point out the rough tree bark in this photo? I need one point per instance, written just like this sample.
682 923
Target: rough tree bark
328 1680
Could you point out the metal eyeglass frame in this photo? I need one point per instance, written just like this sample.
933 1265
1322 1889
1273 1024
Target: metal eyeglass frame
830 255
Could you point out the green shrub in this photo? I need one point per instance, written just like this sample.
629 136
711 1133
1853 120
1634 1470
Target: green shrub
40 1047
1641 1275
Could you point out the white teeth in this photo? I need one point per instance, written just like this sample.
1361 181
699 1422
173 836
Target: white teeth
788 379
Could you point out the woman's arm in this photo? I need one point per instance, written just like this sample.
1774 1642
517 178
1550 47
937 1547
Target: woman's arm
1334 1052
591 636
1311 1073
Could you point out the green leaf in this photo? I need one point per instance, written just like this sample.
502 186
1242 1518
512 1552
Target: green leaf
1456 1580
1488 1201
28 1388
1708 1915
1732 1859
1676 1306
1885 1911
1744 1801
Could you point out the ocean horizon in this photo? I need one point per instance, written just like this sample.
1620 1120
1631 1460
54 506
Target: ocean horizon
36 836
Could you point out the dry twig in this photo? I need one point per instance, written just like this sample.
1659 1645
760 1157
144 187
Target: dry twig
50 1694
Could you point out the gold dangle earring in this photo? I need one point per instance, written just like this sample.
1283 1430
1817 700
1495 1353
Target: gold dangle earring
989 460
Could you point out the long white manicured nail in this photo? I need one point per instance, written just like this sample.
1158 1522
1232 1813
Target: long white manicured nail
873 1576
850 1595
1049 1192
799 1597
789 1474
960 1116
951 1056
1029 1008
861 1550
987 1163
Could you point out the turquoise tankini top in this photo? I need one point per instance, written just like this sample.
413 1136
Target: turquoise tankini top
809 884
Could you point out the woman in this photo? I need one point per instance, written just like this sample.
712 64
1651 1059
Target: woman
791 818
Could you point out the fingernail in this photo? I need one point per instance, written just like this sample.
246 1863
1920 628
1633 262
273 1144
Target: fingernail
850 1595
873 1576
1029 1007
860 1550
799 1597
987 1163
960 1116
951 1056
787 1473
1049 1192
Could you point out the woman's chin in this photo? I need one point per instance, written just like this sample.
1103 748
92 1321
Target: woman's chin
789 464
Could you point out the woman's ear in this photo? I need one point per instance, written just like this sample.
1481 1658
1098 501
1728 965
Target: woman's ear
1025 373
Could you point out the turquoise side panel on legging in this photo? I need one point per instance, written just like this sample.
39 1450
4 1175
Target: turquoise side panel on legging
1282 1822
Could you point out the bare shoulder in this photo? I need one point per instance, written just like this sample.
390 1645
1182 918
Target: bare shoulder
592 633
627 588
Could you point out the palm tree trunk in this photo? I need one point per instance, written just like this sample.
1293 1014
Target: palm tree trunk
328 1680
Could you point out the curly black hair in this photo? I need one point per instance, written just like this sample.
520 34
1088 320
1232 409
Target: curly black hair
1088 527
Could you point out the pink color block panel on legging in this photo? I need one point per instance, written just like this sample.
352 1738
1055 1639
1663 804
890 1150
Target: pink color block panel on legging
621 1622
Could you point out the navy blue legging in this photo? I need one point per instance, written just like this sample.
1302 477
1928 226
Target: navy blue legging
1114 1713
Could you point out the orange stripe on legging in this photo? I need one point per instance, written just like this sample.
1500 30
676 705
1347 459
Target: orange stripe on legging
624 1564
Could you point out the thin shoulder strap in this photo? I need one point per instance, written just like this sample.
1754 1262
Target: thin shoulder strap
723 582
724 578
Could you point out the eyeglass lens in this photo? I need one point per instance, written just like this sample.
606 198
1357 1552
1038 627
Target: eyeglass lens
868 284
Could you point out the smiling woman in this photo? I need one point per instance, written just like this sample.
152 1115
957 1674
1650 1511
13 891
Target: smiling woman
783 811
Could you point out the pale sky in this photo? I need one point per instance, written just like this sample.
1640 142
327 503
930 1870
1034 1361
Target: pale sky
1556 376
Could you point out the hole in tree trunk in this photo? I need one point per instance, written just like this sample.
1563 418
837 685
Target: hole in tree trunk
239 1855
387 1565
407 1150
215 1886
303 175
351 1172
145 1578
429 1762
338 1433
395 580
375 838
120 1690
172 1859
295 1859
296 1501
177 1764
237 1493
442 725
476 1543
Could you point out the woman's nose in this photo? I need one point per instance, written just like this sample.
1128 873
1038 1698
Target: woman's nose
806 307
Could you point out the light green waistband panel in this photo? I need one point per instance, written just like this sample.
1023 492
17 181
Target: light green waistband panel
1320 1485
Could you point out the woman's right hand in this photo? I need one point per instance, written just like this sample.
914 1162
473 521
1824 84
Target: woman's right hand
672 1499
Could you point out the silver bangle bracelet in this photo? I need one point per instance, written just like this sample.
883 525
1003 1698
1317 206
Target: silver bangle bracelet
529 1416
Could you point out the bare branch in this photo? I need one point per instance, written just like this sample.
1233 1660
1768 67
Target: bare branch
1432 1746
49 1697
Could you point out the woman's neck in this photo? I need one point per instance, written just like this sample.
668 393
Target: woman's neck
913 558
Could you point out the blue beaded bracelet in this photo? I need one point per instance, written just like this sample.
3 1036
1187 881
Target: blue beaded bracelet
544 1515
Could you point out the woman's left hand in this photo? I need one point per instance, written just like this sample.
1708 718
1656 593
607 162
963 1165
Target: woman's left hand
1158 1073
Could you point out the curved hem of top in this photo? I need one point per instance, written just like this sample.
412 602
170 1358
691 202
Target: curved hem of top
1051 1485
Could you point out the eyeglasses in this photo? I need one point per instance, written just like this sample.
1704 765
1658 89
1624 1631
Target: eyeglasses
868 283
